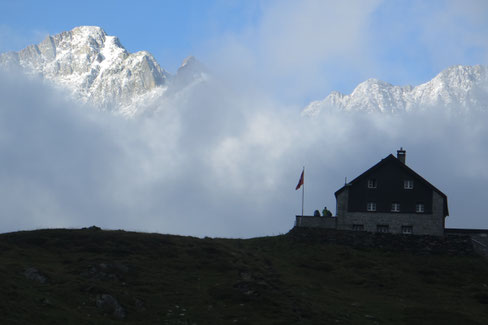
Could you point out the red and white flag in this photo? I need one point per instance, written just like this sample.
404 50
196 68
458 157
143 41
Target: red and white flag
300 182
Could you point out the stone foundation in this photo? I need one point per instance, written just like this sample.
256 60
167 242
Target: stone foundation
417 244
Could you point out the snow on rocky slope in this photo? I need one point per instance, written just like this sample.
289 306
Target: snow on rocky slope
458 88
97 69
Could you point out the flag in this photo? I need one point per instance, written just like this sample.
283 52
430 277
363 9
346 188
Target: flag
300 182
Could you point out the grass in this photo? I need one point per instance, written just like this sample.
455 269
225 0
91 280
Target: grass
163 279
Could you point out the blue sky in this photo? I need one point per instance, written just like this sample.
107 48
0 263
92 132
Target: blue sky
295 50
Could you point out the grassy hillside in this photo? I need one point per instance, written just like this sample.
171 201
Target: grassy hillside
91 276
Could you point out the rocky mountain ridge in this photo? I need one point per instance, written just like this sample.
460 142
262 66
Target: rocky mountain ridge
458 88
97 69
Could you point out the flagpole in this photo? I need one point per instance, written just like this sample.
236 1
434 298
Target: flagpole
303 189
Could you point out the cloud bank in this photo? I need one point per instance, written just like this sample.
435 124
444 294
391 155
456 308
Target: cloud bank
301 51
213 162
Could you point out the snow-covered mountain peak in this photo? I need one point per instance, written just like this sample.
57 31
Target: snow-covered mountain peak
456 88
95 67
188 61
190 72
370 85
459 77
84 34
88 30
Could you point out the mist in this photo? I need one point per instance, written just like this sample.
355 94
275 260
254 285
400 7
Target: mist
214 162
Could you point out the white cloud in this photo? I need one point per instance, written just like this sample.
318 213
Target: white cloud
213 164
293 44
302 50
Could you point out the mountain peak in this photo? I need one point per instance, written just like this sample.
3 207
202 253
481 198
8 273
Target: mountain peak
97 69
456 88
89 31
92 36
93 65
188 61
190 72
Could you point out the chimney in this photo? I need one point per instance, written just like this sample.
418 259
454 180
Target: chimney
401 155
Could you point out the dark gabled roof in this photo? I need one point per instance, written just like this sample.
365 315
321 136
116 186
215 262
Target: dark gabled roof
392 159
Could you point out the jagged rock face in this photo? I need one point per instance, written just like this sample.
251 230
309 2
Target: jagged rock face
457 88
93 65
191 70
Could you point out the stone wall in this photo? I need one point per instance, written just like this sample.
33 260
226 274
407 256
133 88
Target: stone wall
421 223
479 237
341 202
424 245
318 222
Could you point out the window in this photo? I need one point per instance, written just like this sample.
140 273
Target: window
407 230
358 227
395 207
382 228
372 183
371 206
408 184
419 208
